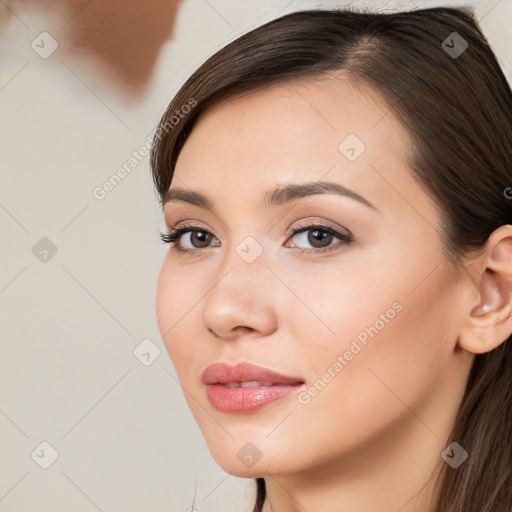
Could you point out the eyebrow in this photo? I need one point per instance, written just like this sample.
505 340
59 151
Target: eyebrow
273 197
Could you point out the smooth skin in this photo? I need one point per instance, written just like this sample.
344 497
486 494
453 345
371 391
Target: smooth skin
371 438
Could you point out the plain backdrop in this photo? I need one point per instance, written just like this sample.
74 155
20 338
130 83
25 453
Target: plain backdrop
78 274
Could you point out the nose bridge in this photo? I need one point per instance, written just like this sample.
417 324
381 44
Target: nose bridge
240 294
243 264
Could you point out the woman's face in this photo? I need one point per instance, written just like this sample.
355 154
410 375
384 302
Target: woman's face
361 317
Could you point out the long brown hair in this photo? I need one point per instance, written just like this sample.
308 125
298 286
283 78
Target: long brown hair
450 93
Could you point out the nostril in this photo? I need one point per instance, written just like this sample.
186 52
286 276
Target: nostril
244 330
241 329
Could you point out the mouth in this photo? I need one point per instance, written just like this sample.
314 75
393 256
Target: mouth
245 375
246 388
248 384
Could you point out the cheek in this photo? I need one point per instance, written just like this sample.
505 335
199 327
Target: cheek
175 301
337 304
165 302
389 349
379 332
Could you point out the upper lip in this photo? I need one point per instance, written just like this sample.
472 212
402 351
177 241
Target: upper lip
222 373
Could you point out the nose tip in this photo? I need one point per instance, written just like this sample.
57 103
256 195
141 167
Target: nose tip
241 303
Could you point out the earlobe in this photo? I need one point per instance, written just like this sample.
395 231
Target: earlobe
489 321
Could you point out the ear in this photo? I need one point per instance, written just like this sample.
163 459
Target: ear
489 318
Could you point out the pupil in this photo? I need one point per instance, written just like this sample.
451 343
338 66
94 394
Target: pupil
319 236
200 236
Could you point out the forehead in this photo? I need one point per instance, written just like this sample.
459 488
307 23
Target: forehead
294 120
330 128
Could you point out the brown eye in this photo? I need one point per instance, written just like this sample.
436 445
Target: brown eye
200 239
188 238
319 238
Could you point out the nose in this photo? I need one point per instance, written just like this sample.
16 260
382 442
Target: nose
240 300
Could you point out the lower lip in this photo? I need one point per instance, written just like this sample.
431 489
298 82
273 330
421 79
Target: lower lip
245 400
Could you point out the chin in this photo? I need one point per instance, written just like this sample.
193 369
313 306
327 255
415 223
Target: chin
245 460
259 470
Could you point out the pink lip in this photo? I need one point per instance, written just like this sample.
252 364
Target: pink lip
274 386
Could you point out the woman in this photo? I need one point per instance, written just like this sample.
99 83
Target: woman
336 299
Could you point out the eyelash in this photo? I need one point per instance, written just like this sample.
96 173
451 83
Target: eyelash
174 234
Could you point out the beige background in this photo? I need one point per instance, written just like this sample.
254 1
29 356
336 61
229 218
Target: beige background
69 326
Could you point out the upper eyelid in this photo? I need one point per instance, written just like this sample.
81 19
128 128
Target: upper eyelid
172 225
304 226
